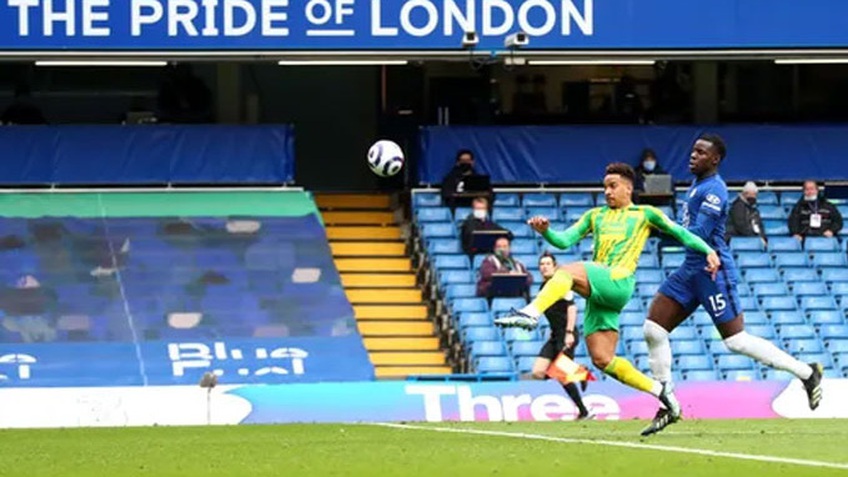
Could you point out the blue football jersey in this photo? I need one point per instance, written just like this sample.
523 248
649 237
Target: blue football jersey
705 213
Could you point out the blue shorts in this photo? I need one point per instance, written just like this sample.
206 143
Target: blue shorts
691 288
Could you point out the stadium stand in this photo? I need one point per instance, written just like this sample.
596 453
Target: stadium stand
791 293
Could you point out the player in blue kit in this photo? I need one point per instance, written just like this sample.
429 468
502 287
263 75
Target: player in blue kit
705 215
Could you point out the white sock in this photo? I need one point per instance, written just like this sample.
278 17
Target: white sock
767 353
532 311
659 351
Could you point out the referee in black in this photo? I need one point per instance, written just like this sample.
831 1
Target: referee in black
562 316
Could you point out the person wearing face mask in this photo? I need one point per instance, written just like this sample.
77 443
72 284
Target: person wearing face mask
500 261
647 165
477 220
453 183
814 215
744 219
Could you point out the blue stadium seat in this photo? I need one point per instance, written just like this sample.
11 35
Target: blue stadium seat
648 290
535 288
775 228
507 214
827 317
779 303
810 289
772 211
778 375
464 290
756 318
478 260
649 276
524 246
791 332
433 214
839 288
487 348
770 289
760 275
539 200
461 213
426 199
667 210
631 318
552 213
685 333
631 333
452 262
524 364
504 305
479 333
763 331
749 303
518 229
727 362
694 363
527 348
640 348
708 333
512 335
673 260
743 289
829 332
468 319
831 275
578 199
700 375
821 244
838 345
586 246
506 200
742 375
528 259
818 303
791 259
648 261
794 275
633 306
830 259
494 365
787 318
448 277
682 347
767 197
438 230
746 244
444 246
823 358
783 244
790 197
805 346
461 305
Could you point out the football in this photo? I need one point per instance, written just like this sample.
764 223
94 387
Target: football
385 158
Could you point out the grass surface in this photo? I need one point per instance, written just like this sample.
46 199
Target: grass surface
375 451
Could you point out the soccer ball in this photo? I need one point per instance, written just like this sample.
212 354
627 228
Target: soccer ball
385 158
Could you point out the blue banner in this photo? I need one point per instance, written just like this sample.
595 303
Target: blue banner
147 154
235 361
279 25
578 154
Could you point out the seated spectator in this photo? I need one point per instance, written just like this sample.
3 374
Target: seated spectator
814 215
454 182
477 220
744 219
500 262
648 165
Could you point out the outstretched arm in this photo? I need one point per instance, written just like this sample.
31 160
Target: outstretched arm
660 221
567 237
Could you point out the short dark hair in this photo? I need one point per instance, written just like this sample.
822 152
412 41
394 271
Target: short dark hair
463 152
719 146
622 169
547 255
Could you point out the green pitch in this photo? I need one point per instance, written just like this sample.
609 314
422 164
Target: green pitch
497 449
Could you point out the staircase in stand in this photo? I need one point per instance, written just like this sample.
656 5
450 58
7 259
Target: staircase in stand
376 271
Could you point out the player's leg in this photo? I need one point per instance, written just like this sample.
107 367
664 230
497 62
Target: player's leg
725 309
548 353
601 345
568 277
571 388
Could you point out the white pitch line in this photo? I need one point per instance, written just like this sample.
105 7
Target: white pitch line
629 445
